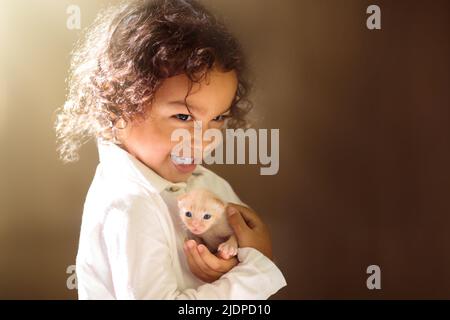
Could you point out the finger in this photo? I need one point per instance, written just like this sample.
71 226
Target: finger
250 217
191 263
219 265
237 222
190 258
194 267
199 261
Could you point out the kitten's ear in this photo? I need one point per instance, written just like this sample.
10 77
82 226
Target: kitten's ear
181 198
219 204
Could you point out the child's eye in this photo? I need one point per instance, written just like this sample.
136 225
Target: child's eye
207 216
221 118
183 117
188 214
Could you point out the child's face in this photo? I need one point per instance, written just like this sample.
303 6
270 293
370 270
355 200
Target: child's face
149 140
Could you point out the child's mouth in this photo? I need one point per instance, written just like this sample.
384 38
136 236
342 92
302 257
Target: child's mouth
183 164
181 160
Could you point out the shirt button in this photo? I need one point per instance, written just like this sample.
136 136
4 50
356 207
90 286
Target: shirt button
174 189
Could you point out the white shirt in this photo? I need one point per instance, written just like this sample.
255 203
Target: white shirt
131 240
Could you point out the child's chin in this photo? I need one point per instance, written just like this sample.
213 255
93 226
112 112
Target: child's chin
179 177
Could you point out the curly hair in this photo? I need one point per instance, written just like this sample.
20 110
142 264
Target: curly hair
125 56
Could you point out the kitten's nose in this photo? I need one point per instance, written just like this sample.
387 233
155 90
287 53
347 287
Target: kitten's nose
195 223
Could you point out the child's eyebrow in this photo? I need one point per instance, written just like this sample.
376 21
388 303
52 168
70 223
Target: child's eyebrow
182 103
179 103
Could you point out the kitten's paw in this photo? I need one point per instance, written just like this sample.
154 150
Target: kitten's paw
227 251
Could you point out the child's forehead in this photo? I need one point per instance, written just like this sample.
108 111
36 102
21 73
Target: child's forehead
216 91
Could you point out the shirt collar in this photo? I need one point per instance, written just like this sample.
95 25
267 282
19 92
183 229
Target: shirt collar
119 160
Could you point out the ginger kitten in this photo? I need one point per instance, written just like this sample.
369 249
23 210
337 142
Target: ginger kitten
203 215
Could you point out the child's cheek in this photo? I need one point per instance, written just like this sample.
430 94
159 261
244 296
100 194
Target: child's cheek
173 137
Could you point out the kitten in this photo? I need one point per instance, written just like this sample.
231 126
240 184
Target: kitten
203 214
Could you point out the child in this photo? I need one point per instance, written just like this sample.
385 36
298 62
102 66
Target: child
145 69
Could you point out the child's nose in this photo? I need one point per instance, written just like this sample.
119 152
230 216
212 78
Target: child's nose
205 145
200 146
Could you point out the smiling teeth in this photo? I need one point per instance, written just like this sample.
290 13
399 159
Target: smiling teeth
181 160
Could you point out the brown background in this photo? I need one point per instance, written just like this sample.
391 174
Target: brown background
364 119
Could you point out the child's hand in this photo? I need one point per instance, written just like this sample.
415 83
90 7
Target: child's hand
204 265
249 229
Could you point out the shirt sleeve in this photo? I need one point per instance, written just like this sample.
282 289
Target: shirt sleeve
142 267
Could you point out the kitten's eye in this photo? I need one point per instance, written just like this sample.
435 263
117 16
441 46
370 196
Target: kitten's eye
183 117
207 216
188 214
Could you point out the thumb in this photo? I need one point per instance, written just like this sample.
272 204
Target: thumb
236 221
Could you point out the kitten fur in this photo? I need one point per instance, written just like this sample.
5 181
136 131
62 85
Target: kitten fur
203 215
